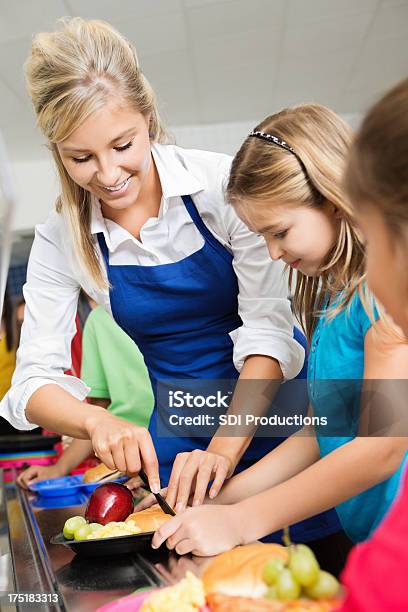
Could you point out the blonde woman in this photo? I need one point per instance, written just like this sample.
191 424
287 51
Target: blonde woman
286 184
143 227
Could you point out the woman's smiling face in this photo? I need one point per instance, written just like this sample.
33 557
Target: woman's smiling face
301 236
109 155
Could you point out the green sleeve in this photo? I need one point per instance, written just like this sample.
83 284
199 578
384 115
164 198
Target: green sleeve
92 371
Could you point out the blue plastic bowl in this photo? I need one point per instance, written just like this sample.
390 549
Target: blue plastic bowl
66 486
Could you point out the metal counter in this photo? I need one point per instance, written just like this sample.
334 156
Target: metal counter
76 583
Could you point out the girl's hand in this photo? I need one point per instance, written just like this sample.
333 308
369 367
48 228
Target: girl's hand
191 474
35 473
123 446
134 484
203 531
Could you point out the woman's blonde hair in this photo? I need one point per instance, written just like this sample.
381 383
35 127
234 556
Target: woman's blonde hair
264 173
70 74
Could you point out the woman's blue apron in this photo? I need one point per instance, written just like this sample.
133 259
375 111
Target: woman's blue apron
180 315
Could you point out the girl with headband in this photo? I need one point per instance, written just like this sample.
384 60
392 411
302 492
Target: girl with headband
286 185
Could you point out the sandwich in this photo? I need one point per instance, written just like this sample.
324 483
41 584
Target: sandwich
99 472
239 571
150 519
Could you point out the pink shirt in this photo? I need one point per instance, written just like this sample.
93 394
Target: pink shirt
376 573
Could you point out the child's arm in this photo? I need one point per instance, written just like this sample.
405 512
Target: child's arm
291 457
347 471
335 478
76 452
211 529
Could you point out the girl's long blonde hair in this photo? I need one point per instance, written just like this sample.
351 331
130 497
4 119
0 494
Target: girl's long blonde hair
70 73
263 173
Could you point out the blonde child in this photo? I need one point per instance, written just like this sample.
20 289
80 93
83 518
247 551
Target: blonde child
286 184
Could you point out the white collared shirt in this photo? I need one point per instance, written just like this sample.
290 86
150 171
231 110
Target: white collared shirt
54 277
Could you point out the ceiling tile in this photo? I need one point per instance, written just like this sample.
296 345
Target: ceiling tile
165 32
193 3
234 16
171 76
168 69
390 22
236 51
17 124
301 12
11 106
326 35
109 10
13 54
24 18
358 100
310 79
234 94
179 105
380 64
393 3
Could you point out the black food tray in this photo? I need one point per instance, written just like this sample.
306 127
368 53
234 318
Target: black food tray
119 545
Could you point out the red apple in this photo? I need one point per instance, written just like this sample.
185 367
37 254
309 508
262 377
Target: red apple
109 502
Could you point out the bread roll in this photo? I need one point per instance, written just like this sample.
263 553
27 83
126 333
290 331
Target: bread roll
96 473
239 571
149 519
225 603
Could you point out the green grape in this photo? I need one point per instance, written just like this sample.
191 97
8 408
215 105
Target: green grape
67 534
303 566
304 549
82 532
286 586
71 525
272 570
95 527
271 593
325 587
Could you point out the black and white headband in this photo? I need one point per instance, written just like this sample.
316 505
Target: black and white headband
272 138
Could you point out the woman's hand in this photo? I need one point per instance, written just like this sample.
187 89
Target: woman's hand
191 474
203 531
123 446
35 473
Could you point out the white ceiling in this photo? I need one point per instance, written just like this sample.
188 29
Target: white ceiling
214 61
